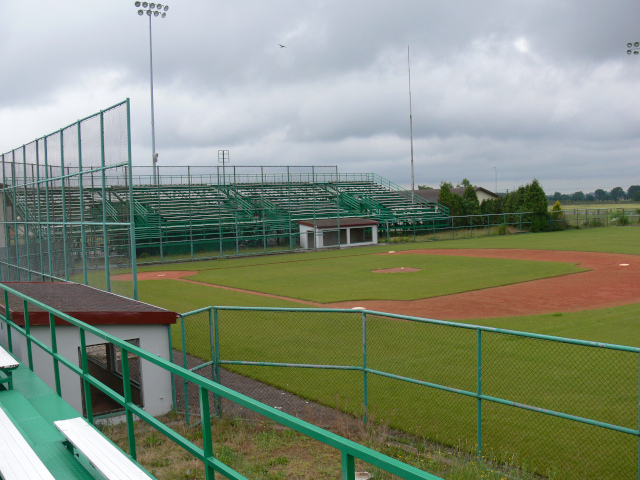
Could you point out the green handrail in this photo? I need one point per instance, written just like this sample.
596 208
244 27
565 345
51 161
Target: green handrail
349 449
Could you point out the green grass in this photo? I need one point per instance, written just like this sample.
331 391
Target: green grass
588 382
261 449
591 206
352 278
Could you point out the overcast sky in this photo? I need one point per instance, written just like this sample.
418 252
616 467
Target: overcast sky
525 88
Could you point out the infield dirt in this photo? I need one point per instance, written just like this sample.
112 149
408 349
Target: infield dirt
611 280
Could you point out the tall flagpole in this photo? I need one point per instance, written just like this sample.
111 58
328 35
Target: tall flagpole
410 121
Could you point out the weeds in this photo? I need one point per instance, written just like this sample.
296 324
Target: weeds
265 450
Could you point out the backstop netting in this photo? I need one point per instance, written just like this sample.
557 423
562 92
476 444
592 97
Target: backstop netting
61 218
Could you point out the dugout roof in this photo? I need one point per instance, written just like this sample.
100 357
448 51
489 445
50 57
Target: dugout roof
88 304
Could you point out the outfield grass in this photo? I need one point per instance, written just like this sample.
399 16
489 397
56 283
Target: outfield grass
584 382
592 206
352 278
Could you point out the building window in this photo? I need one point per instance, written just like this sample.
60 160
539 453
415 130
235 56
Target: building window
105 364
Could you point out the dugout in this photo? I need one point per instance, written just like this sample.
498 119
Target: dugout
138 323
334 232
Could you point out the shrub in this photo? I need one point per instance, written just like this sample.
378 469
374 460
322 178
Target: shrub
539 223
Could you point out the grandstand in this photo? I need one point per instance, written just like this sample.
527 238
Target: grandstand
180 214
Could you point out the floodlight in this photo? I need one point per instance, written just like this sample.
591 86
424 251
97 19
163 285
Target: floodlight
152 10
636 44
629 52
629 45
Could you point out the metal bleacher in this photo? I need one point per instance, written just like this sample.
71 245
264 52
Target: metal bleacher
199 211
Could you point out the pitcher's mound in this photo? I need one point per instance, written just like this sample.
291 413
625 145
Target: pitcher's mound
396 270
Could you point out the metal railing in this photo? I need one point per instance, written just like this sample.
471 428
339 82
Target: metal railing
349 449
561 406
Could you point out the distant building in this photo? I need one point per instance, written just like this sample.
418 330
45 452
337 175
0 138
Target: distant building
431 194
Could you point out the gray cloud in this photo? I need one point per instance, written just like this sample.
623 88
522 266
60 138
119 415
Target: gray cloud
534 88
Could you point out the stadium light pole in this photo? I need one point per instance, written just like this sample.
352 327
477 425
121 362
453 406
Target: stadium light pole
633 48
152 10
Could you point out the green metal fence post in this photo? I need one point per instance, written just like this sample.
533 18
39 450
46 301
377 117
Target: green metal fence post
47 203
132 221
479 391
207 444
27 329
365 413
215 368
638 401
83 239
54 349
173 375
520 227
85 372
7 313
26 212
126 384
65 247
348 467
105 229
184 365
15 216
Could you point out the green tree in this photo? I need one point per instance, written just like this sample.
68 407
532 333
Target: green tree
589 197
577 197
617 194
450 200
631 192
557 217
636 196
424 187
535 199
600 194
470 203
493 205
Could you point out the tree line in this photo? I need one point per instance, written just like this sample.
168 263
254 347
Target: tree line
526 198
616 194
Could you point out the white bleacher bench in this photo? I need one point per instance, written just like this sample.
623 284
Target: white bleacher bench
18 461
110 461
7 365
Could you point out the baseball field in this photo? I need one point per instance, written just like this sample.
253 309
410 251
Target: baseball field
582 284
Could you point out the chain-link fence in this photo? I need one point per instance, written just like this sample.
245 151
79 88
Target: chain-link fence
562 408
60 219
595 217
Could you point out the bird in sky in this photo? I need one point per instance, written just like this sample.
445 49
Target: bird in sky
282 46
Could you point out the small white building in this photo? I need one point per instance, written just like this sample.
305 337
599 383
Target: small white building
139 323
334 232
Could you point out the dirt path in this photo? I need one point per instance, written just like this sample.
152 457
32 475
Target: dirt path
612 280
